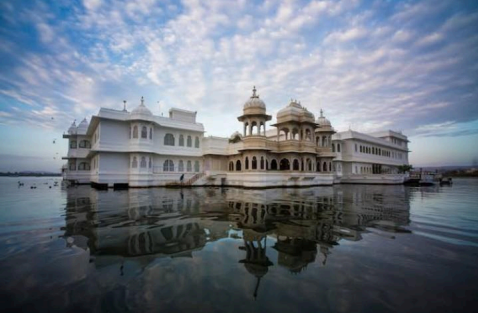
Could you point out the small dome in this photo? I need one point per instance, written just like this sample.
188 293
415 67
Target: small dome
82 127
141 110
235 137
322 121
72 129
254 101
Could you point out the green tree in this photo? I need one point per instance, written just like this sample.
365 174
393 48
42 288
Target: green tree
405 168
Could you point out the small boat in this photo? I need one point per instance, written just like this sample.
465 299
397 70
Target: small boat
446 181
420 178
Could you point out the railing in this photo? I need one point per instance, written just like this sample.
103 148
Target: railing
194 179
188 182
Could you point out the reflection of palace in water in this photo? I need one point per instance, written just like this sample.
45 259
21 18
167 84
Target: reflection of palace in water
301 225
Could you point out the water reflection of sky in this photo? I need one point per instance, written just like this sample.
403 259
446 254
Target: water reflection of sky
341 248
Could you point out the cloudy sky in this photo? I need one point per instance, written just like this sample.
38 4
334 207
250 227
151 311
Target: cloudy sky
371 65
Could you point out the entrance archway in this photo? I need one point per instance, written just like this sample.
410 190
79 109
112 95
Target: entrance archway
284 165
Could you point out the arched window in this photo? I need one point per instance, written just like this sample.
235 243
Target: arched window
267 164
72 166
181 166
246 166
295 165
181 140
274 165
143 162
196 166
196 142
324 167
238 165
284 165
85 144
168 166
169 140
254 163
262 163
134 163
330 166
135 131
144 132
73 144
149 165
151 133
231 166
189 142
333 147
189 166
309 165
318 166
338 147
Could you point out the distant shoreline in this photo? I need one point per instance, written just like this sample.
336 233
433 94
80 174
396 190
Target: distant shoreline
30 174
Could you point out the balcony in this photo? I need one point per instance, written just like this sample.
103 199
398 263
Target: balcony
78 153
289 146
255 143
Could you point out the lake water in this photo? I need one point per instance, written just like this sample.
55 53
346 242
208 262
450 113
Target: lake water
347 248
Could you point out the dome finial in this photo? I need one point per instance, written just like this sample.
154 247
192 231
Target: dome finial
254 92
124 105
321 113
142 100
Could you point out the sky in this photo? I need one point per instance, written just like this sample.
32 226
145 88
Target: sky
409 66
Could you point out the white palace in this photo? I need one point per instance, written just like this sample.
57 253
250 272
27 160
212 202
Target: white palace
118 148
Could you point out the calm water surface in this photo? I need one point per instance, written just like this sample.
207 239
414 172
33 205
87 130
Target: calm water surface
326 249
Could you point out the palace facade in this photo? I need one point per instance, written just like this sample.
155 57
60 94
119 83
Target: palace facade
118 148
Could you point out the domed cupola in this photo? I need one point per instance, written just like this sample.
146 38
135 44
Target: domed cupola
322 121
72 129
82 127
141 111
307 116
291 112
254 116
254 105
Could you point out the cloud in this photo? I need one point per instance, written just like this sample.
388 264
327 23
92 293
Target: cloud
386 65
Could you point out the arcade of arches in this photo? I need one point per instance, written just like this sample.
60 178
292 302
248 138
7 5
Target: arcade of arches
272 163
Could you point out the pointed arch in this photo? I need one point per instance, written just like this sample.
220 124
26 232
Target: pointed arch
238 165
295 165
284 165
144 132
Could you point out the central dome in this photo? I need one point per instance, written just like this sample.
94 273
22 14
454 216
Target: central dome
294 111
254 101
